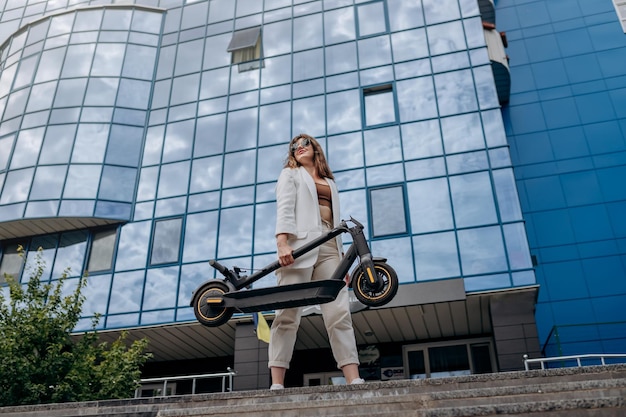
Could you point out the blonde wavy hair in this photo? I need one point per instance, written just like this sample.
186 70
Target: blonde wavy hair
319 160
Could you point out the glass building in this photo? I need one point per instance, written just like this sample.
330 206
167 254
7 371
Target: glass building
138 141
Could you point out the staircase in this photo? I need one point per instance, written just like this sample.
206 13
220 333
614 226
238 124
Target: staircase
567 392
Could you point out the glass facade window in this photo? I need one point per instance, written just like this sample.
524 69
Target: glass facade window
173 122
380 105
245 47
102 250
11 263
388 212
166 241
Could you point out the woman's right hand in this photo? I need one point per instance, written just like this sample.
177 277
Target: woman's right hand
285 252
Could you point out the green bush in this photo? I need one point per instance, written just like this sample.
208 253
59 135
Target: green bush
39 360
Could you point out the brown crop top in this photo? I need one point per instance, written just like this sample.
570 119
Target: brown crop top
324 199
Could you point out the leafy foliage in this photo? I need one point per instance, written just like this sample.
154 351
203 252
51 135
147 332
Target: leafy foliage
39 360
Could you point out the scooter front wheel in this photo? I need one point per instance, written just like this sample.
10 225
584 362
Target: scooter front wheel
208 305
375 294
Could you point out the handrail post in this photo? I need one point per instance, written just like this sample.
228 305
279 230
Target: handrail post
193 386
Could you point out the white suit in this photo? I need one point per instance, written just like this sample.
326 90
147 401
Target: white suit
298 215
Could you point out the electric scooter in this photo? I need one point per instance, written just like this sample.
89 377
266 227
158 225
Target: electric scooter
374 283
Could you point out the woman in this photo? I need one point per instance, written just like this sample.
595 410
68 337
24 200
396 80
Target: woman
307 203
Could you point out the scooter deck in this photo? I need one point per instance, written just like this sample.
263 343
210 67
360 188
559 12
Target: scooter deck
284 296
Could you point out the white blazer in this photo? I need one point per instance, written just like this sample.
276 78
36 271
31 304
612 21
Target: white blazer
298 213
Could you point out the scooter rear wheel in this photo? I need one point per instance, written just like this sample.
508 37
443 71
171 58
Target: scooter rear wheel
375 295
211 314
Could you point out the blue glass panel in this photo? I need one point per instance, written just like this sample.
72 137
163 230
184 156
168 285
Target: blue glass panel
243 80
404 15
157 317
239 168
339 25
170 183
350 179
462 133
101 91
17 103
209 139
421 139
206 174
166 242
523 278
411 44
108 59
160 287
153 146
27 148
425 168
437 11
611 183
436 256
606 137
237 196
6 145
429 205
125 145
275 123
385 174
499 157
241 130
132 250
90 145
506 192
194 15
57 144
371 18
277 38
388 211
42 208
118 183
458 99
446 38
270 162
581 188
200 237
306 65
48 183
553 228
345 151
78 208
41 96
396 250
178 141
341 58
379 108
96 294
416 99
374 51
517 246
472 198
309 32
127 288
485 87
487 282
146 21
170 206
382 145
343 112
235 232
482 250
354 203
308 116
467 162
276 71
590 223
264 228
24 75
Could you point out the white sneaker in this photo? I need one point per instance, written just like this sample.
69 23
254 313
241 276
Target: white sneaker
276 387
357 381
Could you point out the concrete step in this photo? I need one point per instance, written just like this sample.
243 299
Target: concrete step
571 392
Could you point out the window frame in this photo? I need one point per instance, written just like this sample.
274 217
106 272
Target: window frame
246 49
154 236
91 240
385 18
374 90
405 208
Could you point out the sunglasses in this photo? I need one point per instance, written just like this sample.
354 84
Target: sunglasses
302 143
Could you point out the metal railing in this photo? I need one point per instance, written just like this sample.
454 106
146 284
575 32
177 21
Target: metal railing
228 375
577 358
